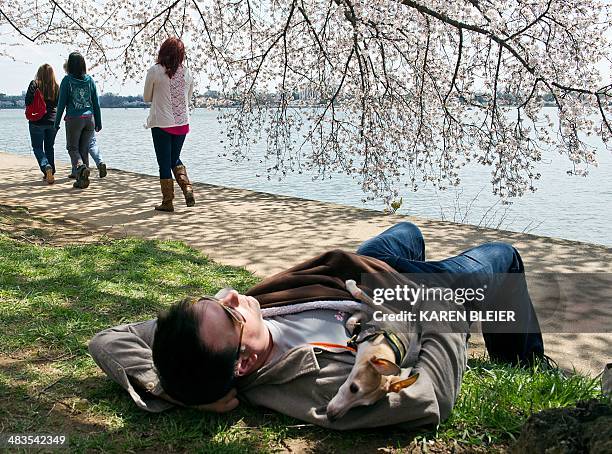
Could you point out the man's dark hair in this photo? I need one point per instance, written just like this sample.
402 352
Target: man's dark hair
189 371
75 66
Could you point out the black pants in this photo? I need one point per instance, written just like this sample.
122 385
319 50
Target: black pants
167 150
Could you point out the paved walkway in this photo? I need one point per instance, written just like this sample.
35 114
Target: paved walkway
267 233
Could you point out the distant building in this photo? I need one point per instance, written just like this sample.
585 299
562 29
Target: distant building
308 92
110 100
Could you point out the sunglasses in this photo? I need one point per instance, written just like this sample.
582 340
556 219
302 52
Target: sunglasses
234 315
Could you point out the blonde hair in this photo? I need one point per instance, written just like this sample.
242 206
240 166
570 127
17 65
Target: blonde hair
47 84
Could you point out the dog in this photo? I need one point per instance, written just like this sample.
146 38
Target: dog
374 373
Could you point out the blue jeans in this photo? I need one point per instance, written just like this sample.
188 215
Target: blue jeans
167 150
94 152
42 138
403 247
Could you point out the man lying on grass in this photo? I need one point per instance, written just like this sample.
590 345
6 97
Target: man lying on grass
280 345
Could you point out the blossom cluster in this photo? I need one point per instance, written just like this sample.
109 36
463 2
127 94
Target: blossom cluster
392 92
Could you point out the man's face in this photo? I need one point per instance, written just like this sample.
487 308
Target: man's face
219 331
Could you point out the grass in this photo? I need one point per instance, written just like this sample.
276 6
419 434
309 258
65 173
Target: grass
53 299
496 400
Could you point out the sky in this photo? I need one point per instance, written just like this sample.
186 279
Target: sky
16 75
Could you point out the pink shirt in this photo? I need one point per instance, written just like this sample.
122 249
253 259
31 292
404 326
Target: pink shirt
177 130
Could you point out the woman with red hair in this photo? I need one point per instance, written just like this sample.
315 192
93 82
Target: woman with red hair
169 87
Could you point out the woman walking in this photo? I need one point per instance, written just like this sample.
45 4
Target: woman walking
168 87
42 131
96 155
78 95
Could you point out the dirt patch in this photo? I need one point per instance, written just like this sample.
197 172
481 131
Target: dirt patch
300 445
585 428
18 223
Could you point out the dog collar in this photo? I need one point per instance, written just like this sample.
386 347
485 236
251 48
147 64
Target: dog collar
398 347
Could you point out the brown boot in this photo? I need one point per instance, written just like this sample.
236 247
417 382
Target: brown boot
49 175
180 174
167 189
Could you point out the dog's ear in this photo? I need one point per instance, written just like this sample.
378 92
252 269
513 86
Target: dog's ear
398 385
384 366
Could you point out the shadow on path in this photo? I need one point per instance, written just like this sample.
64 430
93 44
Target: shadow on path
267 233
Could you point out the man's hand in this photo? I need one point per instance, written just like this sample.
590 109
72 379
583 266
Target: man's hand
225 404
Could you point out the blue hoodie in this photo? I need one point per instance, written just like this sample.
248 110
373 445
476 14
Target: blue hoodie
79 97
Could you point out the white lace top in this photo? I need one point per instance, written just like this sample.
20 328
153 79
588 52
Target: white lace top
169 97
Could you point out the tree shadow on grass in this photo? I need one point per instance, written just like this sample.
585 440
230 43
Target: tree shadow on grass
53 300
66 295
97 414
248 427
58 298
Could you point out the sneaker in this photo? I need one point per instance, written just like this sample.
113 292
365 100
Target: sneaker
102 170
82 177
72 176
49 174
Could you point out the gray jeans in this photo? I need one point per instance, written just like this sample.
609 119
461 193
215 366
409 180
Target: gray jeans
79 132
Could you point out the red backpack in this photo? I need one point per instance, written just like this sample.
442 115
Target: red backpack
38 108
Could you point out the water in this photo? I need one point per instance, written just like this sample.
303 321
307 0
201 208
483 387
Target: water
564 206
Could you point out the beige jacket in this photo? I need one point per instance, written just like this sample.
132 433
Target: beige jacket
169 98
303 381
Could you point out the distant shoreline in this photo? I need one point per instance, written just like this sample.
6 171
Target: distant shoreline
116 107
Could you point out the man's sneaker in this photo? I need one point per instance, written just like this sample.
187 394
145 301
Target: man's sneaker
82 177
72 176
102 170
49 174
